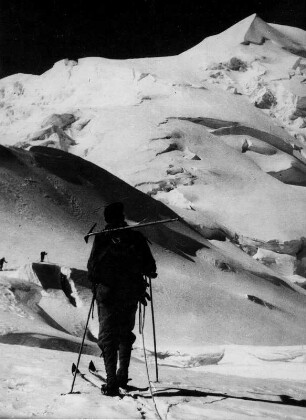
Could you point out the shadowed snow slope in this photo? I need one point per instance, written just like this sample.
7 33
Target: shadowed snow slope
201 292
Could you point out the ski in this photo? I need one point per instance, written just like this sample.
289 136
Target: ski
129 391
91 381
84 376
158 387
92 369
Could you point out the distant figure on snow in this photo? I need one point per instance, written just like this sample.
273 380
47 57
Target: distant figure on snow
116 268
42 256
2 261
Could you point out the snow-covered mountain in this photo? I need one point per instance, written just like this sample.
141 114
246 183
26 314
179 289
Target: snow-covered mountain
216 136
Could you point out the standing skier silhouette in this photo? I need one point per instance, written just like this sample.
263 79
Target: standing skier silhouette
42 256
116 267
2 261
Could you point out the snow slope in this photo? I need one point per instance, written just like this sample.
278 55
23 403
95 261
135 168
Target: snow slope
219 396
174 127
217 133
62 195
44 331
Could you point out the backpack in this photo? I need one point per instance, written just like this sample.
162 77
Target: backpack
125 254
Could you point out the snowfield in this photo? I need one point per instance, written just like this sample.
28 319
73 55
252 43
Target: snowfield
33 387
43 329
215 136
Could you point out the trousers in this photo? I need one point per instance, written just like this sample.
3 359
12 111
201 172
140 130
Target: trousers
116 324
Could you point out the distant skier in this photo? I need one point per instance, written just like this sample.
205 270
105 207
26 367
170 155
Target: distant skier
2 261
42 256
116 266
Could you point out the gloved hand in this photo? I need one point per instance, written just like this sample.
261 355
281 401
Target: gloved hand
152 275
143 299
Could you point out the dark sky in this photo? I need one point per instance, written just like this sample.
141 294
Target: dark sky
35 34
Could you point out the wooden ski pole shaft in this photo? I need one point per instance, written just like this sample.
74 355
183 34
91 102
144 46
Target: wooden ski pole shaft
154 332
81 348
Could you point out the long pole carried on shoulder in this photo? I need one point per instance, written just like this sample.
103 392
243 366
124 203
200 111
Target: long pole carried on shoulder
139 225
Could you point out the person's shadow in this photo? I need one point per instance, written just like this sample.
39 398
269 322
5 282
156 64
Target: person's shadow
187 392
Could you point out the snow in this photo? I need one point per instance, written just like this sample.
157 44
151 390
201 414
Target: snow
136 129
283 264
221 395
216 136
240 379
283 363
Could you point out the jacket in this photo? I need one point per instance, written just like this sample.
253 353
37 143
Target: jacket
117 264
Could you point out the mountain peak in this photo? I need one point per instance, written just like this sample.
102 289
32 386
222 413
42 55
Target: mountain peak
254 30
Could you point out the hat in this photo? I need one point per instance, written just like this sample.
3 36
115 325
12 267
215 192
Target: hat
114 212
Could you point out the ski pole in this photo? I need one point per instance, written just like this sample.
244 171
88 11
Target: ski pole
154 333
81 348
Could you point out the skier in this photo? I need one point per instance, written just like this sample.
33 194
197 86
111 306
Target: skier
2 261
42 256
116 266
